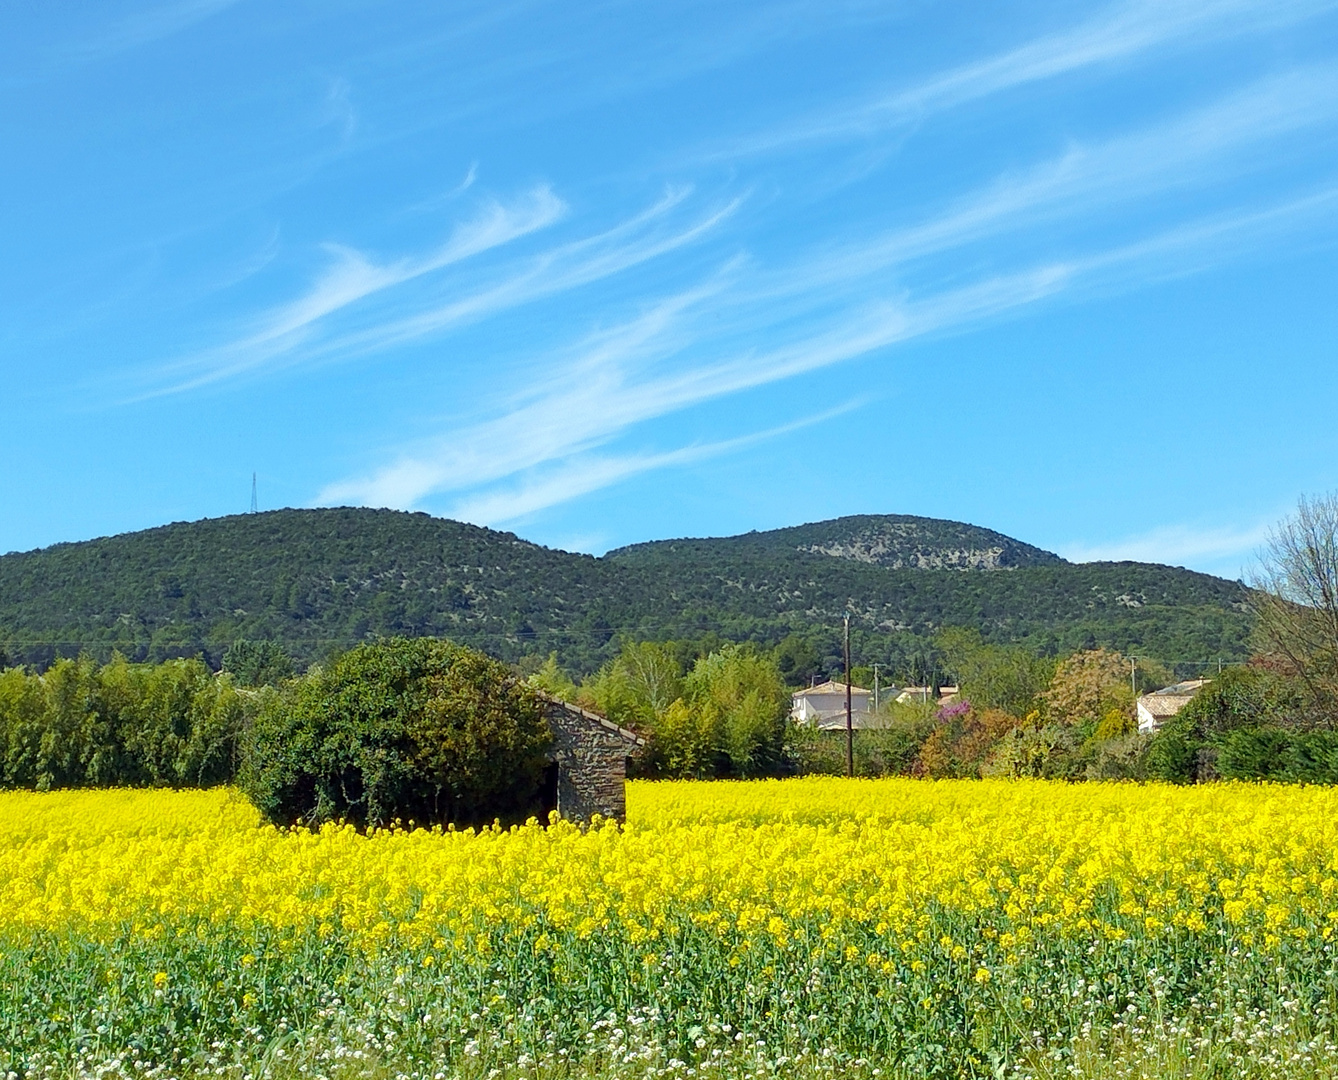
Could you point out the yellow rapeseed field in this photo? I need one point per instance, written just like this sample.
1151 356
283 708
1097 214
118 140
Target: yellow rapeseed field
900 921
784 858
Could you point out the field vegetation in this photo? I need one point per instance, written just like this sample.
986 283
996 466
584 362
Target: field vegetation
765 928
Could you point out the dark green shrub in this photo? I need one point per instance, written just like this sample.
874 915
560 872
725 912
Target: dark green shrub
1313 757
1254 754
1173 755
257 663
406 729
1270 753
1189 745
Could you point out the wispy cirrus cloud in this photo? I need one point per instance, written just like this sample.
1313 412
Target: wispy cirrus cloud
1191 151
651 367
297 332
1178 545
589 394
351 277
635 374
1186 150
753 324
1120 32
567 266
575 477
146 27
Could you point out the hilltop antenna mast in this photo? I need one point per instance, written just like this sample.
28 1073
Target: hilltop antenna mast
255 506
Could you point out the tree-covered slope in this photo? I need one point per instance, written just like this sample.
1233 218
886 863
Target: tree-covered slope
316 580
320 580
1157 611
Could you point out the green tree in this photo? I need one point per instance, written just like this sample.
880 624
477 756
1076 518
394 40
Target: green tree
684 742
257 663
403 729
743 699
637 686
798 660
1088 686
23 715
70 726
1007 677
552 680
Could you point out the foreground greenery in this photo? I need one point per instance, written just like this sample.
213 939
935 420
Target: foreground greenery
425 730
409 729
319 581
749 929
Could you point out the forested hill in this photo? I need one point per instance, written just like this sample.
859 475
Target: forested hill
895 541
320 580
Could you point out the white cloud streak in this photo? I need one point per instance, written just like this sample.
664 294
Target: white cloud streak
601 395
295 333
153 25
566 267
1121 32
1193 150
539 447
591 396
1176 545
581 476
352 277
638 372
1186 151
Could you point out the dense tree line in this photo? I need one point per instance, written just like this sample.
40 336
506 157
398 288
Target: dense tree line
82 724
425 730
403 729
319 581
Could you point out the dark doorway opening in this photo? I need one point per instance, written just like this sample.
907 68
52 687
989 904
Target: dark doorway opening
548 790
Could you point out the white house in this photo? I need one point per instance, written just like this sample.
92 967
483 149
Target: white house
1160 705
824 706
918 695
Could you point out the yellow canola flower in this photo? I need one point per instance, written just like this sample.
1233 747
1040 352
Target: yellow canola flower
790 863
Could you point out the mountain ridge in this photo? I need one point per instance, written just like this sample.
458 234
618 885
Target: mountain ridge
321 580
895 541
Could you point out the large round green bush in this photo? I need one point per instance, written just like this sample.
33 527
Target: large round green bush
1249 715
405 729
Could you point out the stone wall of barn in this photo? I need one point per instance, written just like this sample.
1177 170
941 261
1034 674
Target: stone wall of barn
591 754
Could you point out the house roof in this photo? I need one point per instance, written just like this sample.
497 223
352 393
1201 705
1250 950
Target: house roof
1189 688
593 718
830 687
1169 700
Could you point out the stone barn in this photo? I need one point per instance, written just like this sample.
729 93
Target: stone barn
588 766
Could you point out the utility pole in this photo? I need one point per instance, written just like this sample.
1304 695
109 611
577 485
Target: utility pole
1133 675
255 507
850 726
875 687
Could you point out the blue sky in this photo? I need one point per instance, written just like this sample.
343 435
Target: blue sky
612 272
